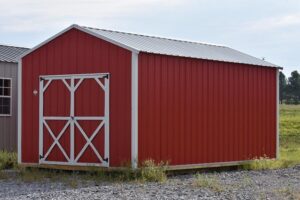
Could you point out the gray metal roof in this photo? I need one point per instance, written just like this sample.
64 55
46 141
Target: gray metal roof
11 53
158 45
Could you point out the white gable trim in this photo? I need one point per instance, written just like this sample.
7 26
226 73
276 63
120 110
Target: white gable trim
83 30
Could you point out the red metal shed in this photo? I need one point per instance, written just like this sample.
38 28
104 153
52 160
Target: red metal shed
92 97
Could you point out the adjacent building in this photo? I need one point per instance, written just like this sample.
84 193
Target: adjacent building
9 96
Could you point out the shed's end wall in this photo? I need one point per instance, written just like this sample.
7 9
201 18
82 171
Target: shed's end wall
75 52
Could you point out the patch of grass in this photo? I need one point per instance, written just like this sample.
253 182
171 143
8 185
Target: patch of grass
98 174
209 182
245 182
290 149
148 172
72 177
153 172
289 135
290 120
36 174
8 160
263 163
288 193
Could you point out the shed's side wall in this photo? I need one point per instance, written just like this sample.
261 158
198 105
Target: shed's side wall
8 124
76 52
196 111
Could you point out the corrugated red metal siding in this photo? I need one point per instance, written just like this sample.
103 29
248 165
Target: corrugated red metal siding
76 52
197 111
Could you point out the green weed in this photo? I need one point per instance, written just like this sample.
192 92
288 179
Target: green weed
8 160
148 172
153 172
209 182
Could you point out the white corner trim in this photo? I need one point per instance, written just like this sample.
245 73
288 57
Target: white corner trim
134 110
20 111
277 114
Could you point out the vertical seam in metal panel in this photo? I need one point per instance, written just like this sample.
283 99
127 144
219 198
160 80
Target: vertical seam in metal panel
19 110
277 113
134 110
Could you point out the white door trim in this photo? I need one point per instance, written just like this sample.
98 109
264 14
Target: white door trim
72 120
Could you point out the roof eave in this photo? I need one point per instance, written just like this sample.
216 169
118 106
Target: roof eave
6 61
271 65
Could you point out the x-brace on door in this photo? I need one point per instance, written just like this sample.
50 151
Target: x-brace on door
63 140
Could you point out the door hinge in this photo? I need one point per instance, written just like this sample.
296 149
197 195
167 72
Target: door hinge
105 159
41 156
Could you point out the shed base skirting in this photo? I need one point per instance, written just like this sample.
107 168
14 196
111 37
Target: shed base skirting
208 165
169 168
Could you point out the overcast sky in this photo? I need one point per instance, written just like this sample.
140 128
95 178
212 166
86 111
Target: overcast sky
262 28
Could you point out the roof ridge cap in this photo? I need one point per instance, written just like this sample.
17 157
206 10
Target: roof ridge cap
158 37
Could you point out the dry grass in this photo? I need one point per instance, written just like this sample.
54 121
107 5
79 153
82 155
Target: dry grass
8 160
210 182
290 120
149 172
153 172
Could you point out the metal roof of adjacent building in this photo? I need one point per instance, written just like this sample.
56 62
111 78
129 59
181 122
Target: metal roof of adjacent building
158 45
11 53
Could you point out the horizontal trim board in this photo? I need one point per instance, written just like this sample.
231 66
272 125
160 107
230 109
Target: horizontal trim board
67 76
71 164
207 165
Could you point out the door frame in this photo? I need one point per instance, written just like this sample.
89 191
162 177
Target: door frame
71 121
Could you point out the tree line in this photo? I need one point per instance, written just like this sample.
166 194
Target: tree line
289 88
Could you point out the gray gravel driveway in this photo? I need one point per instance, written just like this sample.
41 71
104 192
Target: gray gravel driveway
267 184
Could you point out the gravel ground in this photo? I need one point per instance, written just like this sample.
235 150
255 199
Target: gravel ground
268 184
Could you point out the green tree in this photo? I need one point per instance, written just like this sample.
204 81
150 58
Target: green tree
293 88
282 87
